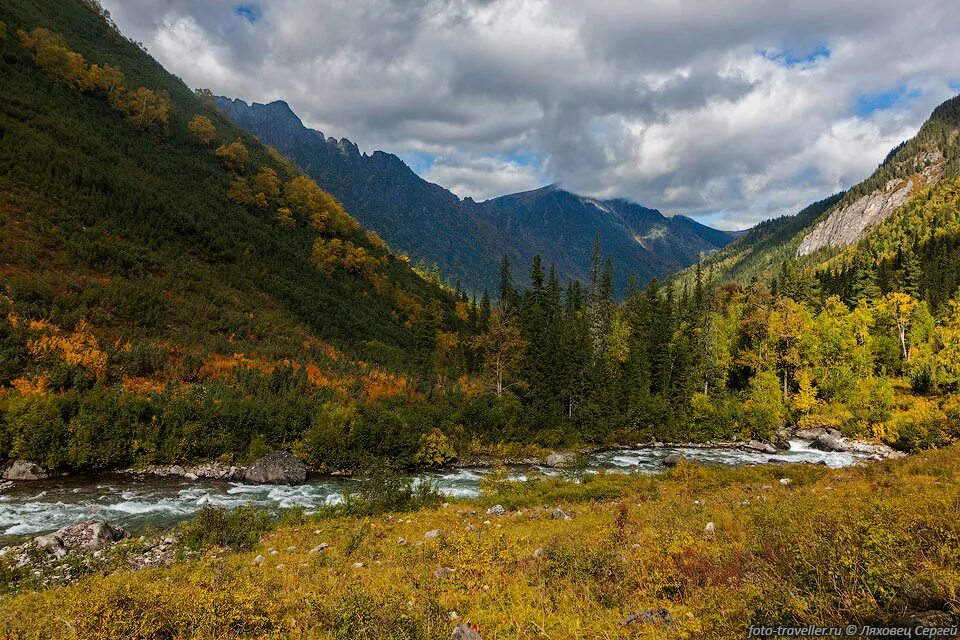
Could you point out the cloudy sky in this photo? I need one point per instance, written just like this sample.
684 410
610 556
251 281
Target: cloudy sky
731 111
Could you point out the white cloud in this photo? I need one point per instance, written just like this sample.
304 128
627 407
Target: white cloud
482 177
675 104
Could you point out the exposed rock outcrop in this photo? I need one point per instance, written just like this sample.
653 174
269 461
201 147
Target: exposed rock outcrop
847 224
69 553
277 467
94 534
25 470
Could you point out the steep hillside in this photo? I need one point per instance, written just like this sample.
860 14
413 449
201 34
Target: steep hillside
153 255
762 248
819 234
931 155
466 238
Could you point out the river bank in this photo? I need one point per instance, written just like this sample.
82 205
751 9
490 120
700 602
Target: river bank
139 500
827 440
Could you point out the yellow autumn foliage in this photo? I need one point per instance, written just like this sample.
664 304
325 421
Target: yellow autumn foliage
202 129
77 348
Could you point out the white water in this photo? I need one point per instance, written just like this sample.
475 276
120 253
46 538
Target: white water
30 508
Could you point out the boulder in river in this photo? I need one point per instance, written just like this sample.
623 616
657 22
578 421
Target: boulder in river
277 467
762 447
558 459
672 460
781 440
827 442
25 470
809 434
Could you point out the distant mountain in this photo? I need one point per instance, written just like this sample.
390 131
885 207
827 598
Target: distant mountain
467 238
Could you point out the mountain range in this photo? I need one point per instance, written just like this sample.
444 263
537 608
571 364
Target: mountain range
467 239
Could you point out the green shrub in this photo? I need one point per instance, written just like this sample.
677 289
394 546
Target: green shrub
381 490
239 529
541 490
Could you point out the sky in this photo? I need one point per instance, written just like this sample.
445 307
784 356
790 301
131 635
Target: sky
729 111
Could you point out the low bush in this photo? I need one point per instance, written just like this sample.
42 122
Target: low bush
238 529
381 490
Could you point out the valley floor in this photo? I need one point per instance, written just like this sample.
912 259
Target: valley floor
696 553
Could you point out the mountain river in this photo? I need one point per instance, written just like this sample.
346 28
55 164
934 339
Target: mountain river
138 503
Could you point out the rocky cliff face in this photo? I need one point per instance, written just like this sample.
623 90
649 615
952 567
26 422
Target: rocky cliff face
849 222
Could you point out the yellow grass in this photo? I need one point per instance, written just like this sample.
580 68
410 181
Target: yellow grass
870 545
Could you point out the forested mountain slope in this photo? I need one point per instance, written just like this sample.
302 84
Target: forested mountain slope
466 238
910 175
151 251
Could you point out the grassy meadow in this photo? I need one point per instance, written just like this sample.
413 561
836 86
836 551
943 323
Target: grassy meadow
788 545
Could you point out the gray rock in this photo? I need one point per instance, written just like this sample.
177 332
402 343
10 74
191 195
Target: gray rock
764 447
827 442
928 620
809 434
93 534
433 533
259 560
52 543
672 460
277 467
558 459
781 440
463 632
496 510
786 481
25 470
443 573
710 529
320 547
649 616
560 514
